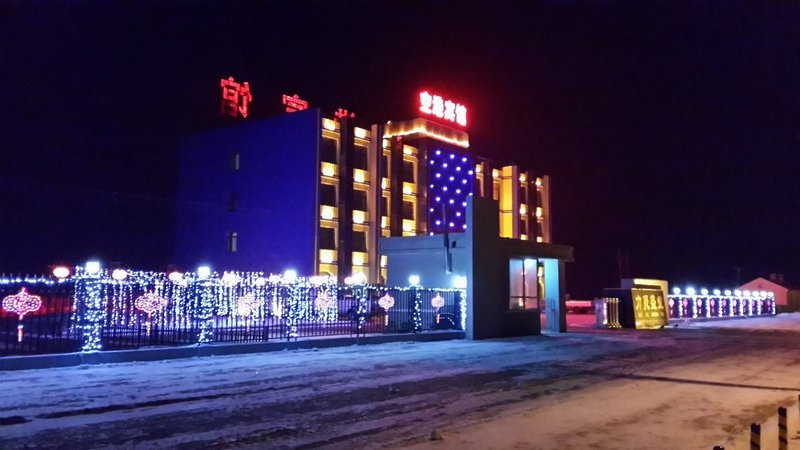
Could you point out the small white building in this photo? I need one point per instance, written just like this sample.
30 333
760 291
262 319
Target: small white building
786 299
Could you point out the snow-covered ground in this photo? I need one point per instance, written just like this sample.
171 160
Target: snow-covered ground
690 387
781 322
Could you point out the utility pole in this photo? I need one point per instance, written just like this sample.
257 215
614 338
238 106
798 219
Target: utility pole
623 264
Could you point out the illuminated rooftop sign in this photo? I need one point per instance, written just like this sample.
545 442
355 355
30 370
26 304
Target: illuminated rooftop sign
344 113
437 106
420 127
236 97
294 103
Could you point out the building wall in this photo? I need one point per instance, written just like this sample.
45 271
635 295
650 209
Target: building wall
482 256
347 179
270 201
317 194
762 284
524 200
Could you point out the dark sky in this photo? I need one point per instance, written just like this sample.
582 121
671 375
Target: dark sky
671 129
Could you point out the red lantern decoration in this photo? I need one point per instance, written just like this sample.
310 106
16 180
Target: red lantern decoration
21 303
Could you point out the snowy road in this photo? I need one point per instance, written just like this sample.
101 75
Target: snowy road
669 389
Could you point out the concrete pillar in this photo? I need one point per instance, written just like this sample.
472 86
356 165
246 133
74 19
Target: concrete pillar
554 295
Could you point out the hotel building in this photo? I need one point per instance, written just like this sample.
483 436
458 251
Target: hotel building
317 194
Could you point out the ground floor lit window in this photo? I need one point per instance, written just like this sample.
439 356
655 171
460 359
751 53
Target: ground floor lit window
523 284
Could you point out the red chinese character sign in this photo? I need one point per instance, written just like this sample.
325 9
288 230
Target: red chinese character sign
236 97
343 113
294 103
21 304
445 109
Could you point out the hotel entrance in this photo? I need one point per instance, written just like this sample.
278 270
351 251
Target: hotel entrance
514 287
526 286
528 292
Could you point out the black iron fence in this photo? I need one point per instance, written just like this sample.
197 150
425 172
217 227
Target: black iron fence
146 309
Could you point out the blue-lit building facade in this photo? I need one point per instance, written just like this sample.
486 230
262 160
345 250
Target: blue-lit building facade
315 194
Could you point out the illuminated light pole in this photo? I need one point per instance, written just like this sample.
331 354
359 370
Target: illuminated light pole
358 281
290 276
203 272
205 310
92 267
92 297
460 283
416 307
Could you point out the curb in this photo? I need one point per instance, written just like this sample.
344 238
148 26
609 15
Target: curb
27 362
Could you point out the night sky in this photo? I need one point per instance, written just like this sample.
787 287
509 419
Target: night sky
671 130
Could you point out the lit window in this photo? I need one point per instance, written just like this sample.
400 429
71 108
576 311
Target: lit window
358 258
523 284
235 160
233 238
327 212
328 124
326 256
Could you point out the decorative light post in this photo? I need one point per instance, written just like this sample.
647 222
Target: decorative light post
205 310
460 283
90 296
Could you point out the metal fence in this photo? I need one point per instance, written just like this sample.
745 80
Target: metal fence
146 309
717 306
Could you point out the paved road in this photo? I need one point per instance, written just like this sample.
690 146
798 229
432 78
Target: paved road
660 389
